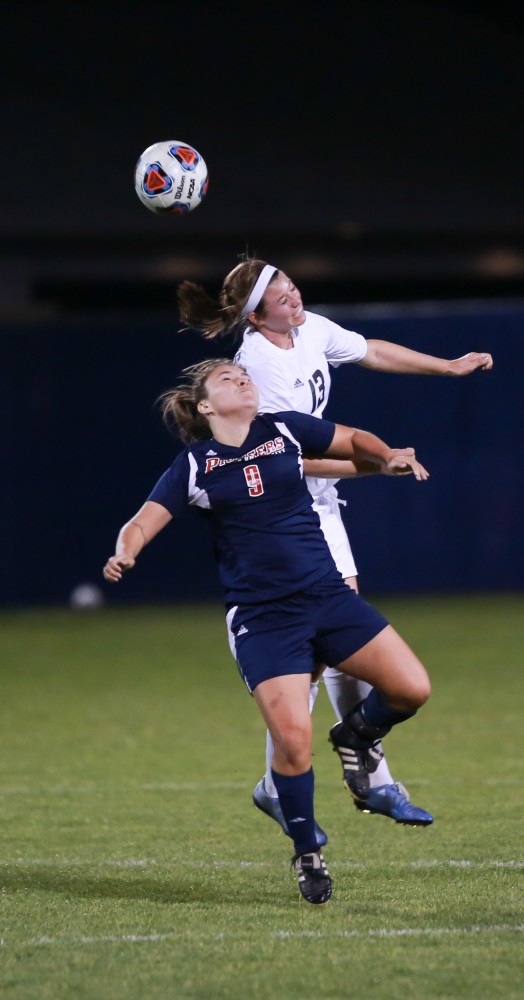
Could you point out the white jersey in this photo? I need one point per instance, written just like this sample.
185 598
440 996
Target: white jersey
299 378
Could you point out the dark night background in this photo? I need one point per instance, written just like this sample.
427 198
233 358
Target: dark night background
371 149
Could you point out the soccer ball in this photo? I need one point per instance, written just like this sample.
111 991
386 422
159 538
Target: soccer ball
171 178
86 596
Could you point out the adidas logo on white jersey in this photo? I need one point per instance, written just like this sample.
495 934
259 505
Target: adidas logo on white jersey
298 384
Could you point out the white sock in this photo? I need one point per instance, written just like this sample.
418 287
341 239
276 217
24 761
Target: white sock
344 693
270 749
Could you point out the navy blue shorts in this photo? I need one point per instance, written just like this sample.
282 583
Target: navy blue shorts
324 624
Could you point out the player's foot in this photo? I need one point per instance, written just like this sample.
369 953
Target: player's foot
313 877
392 801
359 756
271 807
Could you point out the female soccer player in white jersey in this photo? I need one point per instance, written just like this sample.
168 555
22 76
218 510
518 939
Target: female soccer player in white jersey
287 605
288 352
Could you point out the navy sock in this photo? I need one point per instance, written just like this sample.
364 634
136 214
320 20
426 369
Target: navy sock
375 713
295 794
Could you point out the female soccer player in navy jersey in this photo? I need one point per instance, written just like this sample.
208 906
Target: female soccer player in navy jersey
288 353
287 605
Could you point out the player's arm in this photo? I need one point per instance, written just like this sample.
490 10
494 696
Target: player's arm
132 538
336 468
386 357
330 468
362 446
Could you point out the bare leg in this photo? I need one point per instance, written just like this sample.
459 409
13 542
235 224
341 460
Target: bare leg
284 704
270 749
388 664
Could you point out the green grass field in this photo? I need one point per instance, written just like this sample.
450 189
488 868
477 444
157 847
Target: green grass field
134 865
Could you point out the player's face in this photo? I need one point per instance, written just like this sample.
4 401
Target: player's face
229 391
283 307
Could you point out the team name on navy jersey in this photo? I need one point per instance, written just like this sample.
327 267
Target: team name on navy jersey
267 448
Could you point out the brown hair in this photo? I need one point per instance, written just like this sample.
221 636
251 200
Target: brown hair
215 318
179 406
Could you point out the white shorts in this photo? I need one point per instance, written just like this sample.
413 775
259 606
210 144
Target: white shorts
335 534
336 537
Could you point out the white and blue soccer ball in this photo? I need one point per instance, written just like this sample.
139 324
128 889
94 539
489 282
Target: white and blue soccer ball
171 177
86 597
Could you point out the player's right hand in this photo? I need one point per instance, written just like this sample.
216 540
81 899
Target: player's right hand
116 566
405 463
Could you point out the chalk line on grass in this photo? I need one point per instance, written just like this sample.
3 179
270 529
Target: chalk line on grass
380 933
55 862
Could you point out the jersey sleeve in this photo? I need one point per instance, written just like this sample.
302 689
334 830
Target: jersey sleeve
342 346
171 490
313 435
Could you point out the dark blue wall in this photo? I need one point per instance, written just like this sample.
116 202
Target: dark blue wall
461 530
82 444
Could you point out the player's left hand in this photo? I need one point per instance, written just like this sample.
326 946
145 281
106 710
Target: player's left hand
470 363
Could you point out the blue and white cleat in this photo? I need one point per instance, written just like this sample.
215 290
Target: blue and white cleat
271 807
392 801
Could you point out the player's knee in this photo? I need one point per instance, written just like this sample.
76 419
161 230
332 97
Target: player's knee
295 746
419 690
412 690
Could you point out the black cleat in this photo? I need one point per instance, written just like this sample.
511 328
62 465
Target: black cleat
359 756
313 877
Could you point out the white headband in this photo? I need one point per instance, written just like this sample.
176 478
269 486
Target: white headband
258 289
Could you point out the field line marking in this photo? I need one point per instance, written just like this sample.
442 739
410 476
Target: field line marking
385 932
371 934
226 863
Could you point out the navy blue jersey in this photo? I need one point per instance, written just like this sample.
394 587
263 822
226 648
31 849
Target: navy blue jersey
268 540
